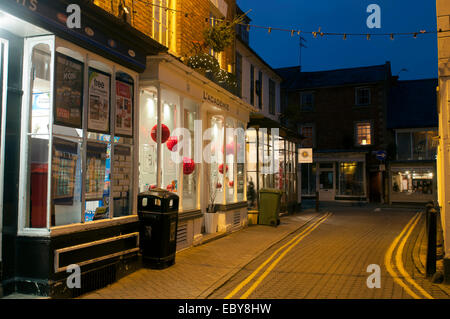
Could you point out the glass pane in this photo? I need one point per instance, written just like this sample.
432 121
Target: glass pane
66 182
230 155
38 140
252 192
419 145
351 179
432 144
404 146
170 121
190 171
218 167
326 180
98 163
122 180
148 119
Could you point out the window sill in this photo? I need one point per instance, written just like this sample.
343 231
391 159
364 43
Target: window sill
74 228
228 207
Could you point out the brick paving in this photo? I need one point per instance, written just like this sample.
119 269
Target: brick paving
331 262
199 270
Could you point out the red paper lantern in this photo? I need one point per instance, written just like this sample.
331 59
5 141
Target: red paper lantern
221 168
172 143
170 187
231 184
165 133
153 186
218 185
188 166
230 148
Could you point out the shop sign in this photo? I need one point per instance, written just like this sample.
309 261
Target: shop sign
305 155
124 109
99 101
69 91
216 101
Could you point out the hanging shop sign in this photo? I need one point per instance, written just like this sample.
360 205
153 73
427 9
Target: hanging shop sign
216 101
124 109
99 101
305 155
68 104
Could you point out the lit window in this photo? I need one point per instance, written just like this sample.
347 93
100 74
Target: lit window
363 134
162 21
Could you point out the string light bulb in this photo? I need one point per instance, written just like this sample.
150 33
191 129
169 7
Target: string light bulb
392 36
270 30
248 27
345 36
292 33
368 36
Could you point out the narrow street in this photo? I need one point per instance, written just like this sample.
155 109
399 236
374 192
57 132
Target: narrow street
311 255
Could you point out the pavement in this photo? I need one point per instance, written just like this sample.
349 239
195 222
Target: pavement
312 255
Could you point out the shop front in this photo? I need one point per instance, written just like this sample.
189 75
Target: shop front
71 140
271 161
335 176
191 137
413 182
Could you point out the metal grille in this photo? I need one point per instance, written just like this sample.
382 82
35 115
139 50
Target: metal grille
182 235
236 219
95 279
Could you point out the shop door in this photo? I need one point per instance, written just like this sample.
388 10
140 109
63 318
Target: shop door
3 90
326 182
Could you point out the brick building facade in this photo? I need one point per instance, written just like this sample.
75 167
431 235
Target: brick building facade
342 115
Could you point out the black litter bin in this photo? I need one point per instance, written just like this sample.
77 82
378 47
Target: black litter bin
158 216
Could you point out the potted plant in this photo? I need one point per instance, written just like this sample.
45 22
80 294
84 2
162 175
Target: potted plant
211 216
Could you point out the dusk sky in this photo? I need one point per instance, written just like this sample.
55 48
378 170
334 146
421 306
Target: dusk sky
279 49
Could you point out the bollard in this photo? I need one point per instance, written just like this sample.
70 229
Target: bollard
317 201
428 206
431 243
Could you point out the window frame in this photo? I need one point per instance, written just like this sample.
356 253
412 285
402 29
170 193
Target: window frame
88 57
272 97
357 90
302 106
313 136
356 133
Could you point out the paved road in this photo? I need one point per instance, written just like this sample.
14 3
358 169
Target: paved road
331 261
310 255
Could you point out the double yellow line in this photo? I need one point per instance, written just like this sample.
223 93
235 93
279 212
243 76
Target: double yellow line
403 279
285 249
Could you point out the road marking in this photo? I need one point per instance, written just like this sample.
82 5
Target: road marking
399 261
272 266
387 260
250 277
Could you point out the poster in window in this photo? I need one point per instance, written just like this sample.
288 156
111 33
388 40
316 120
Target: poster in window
124 109
68 91
96 155
65 157
99 101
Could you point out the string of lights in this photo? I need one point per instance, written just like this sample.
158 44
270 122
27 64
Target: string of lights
298 32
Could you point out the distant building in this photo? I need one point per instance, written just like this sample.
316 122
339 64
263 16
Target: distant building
413 121
342 115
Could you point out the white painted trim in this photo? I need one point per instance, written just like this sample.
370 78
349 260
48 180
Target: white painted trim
3 102
94 243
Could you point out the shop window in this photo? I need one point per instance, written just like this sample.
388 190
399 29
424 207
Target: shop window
252 169
90 153
240 169
190 169
351 179
363 133
252 85
148 119
170 119
412 184
309 177
416 145
218 167
306 101
38 134
230 156
362 96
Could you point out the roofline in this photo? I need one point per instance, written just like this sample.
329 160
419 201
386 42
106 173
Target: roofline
334 70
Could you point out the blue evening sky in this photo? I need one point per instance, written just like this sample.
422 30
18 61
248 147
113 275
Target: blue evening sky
279 49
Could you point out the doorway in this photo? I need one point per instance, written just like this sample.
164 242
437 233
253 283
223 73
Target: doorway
326 182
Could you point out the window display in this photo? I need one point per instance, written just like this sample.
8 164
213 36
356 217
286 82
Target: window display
124 108
219 169
69 91
99 101
351 179
190 170
122 179
414 183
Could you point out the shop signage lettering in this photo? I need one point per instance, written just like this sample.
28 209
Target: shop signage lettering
30 4
215 101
